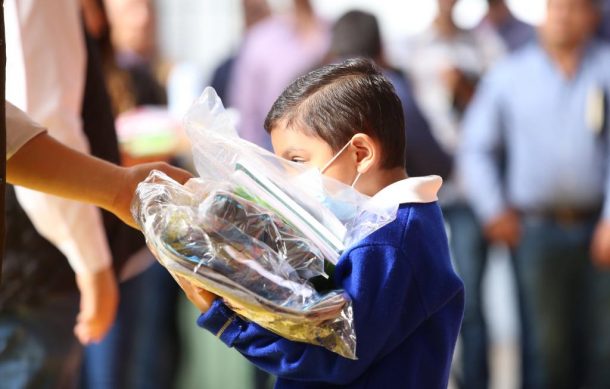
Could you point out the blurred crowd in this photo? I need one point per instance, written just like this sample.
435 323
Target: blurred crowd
514 117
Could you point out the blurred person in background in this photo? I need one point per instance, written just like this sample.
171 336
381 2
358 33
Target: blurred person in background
356 34
604 26
275 51
126 357
254 11
446 63
51 75
134 73
499 18
545 108
186 80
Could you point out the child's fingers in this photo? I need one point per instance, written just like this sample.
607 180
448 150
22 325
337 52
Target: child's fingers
185 286
201 298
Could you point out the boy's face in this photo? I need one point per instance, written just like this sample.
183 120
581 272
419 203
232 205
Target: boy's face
297 145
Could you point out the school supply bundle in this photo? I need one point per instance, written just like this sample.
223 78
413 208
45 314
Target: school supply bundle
261 232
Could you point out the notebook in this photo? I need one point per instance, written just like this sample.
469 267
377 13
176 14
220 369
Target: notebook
270 195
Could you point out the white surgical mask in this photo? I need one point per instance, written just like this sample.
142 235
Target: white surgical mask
342 204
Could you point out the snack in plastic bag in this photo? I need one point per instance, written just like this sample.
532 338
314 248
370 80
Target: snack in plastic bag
259 231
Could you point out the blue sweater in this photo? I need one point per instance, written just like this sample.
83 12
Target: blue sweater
408 305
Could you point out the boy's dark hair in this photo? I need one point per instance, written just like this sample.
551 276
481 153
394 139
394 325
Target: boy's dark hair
337 101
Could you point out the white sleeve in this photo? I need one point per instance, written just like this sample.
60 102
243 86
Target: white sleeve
45 78
19 129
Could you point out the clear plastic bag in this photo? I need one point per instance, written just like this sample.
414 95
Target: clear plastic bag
240 251
219 152
261 232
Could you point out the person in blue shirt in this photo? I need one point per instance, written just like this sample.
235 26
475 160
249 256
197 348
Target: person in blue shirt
545 108
603 31
346 120
514 32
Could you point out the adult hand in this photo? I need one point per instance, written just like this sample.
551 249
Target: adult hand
201 298
600 244
505 228
451 78
98 305
131 177
460 87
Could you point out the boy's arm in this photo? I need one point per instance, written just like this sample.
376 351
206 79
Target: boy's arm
387 309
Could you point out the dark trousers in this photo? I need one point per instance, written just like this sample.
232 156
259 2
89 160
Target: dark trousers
37 345
141 349
566 306
469 251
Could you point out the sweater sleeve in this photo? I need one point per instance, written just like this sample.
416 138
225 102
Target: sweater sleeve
387 309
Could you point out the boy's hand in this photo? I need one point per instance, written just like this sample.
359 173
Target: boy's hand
128 182
201 298
600 244
98 305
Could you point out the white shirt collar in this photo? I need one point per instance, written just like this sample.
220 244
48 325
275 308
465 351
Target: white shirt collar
409 190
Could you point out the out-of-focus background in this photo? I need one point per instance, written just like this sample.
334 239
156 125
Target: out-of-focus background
186 27
480 85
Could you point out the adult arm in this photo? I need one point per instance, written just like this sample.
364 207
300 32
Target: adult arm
600 244
46 165
479 161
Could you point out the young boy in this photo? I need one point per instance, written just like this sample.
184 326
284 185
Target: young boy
346 120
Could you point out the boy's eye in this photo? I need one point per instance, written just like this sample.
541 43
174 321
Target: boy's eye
298 159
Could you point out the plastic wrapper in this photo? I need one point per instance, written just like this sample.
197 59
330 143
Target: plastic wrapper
240 251
261 232
346 215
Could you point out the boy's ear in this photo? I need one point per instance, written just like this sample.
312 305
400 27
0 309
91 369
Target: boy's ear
367 152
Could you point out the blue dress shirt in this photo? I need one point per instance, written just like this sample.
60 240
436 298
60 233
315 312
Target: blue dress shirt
555 147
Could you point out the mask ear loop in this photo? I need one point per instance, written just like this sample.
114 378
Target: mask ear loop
356 180
333 159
